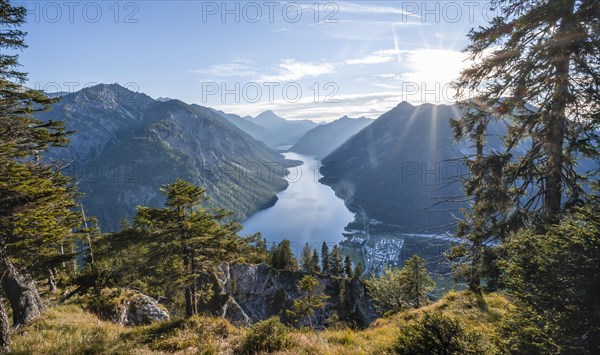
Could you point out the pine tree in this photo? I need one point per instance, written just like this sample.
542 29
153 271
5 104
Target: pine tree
399 289
325 258
256 249
348 266
489 200
187 237
415 280
36 201
337 268
536 72
359 270
306 307
387 291
553 280
315 261
306 259
282 257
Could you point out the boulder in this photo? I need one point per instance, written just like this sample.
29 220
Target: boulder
128 307
143 309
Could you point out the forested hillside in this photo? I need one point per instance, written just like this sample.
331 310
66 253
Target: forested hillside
126 145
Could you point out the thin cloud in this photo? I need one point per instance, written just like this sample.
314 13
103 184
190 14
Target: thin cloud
291 69
370 105
389 76
374 9
378 57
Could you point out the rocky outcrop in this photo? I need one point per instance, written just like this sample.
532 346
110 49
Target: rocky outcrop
127 307
245 294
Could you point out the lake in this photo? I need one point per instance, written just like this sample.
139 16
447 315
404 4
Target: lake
306 211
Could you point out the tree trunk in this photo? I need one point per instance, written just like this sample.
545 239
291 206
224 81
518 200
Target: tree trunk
189 311
190 291
475 272
4 328
553 191
22 294
417 295
555 123
193 286
51 281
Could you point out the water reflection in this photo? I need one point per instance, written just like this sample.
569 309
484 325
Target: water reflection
306 211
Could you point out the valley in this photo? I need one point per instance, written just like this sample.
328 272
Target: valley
126 145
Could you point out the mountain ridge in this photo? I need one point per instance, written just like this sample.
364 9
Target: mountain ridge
399 168
126 145
324 139
283 133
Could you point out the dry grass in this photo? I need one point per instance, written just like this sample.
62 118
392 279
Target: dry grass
67 329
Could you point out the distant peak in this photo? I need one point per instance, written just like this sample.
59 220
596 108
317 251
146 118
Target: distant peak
106 87
111 95
404 104
269 114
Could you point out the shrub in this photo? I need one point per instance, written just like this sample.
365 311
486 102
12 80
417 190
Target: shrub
110 303
436 334
267 336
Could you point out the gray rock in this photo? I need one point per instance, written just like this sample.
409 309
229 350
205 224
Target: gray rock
246 294
144 309
128 307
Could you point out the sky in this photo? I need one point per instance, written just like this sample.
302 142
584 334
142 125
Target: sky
301 59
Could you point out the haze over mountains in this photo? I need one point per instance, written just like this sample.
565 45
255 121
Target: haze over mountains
256 131
400 167
396 169
324 139
283 133
127 145
274 131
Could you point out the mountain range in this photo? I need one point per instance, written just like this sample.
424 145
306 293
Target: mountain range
276 132
127 145
256 131
324 139
401 169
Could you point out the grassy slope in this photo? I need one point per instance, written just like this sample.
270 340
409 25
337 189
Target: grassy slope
68 329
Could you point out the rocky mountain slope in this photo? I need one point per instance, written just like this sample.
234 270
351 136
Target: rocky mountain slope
127 145
400 169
